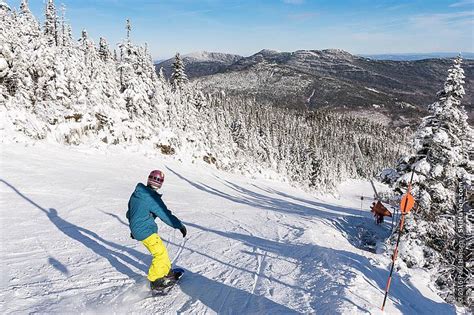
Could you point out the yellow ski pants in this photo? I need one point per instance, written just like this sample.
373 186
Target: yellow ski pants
161 264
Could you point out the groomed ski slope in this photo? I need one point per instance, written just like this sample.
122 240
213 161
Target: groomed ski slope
253 246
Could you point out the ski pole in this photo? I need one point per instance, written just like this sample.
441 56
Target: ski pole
394 256
406 204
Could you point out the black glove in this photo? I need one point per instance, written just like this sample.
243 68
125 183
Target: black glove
183 231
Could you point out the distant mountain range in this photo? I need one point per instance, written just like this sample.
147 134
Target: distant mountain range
410 57
393 92
200 64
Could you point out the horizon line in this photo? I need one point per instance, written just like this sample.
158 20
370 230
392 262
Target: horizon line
160 59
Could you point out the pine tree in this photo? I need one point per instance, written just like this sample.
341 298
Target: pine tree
178 78
63 36
85 45
51 23
24 9
161 76
68 39
125 57
4 6
104 51
441 164
128 27
28 26
73 95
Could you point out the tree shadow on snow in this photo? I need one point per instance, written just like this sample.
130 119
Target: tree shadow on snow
224 299
257 200
360 230
94 242
327 274
232 264
356 226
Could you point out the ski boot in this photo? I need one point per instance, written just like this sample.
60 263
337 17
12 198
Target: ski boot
167 281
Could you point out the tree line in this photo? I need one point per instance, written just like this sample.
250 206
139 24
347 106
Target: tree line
74 91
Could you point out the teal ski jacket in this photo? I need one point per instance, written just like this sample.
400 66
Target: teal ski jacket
144 206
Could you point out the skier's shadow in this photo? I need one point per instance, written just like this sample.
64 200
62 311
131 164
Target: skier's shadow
88 239
91 240
58 266
224 299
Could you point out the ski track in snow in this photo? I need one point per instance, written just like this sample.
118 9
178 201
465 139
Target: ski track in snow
253 246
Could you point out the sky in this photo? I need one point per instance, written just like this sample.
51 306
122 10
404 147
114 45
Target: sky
245 27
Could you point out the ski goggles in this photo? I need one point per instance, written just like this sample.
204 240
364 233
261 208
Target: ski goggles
156 179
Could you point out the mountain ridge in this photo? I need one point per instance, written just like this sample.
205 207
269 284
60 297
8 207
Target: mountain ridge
200 63
397 92
418 56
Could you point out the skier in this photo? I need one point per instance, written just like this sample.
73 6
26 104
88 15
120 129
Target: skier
144 206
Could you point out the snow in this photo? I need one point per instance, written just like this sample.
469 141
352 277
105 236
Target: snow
3 67
405 179
437 170
388 175
253 245
4 6
372 89
441 137
268 52
406 105
308 100
423 167
199 55
205 56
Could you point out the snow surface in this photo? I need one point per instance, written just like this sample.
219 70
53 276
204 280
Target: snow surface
371 89
211 56
253 246
3 67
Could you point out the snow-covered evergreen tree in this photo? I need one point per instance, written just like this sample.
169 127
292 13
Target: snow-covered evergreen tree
178 77
441 164
51 23
72 93
104 51
6 56
24 9
161 76
4 7
63 34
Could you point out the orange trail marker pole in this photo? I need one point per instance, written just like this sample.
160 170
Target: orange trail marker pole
406 204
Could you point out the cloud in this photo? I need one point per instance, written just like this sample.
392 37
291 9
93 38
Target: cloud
440 19
462 3
293 1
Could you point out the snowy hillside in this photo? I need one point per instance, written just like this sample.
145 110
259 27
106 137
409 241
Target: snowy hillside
411 57
253 246
200 63
59 89
335 79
